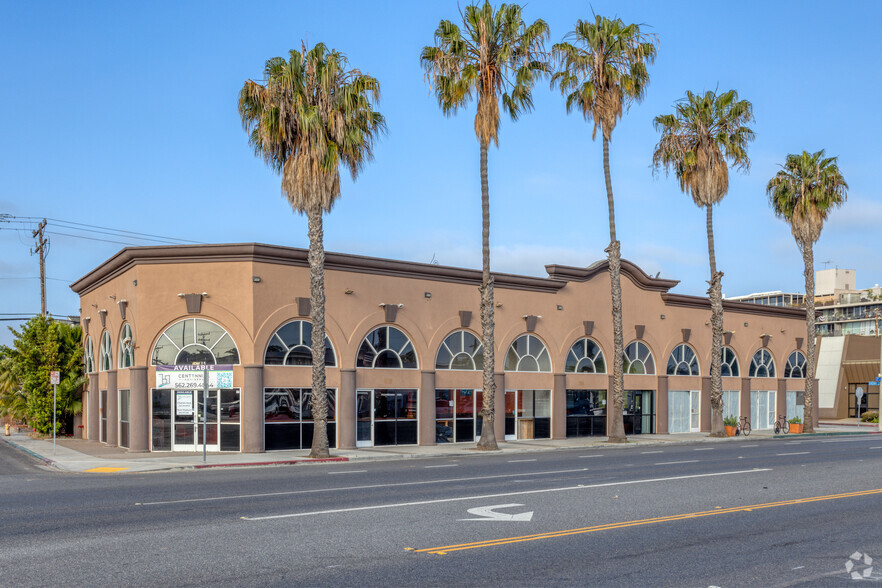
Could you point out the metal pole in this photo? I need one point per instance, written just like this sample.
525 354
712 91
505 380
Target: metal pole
879 398
54 404
204 413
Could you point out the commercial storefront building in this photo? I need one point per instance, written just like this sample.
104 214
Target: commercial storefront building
404 357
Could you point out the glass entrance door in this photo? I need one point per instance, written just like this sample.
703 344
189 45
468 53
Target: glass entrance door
364 418
385 417
527 414
206 433
190 433
683 411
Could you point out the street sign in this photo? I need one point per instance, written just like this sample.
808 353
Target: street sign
859 392
54 378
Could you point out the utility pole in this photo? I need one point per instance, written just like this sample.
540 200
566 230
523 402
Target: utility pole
42 242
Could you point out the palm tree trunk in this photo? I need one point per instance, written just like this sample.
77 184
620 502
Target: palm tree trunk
487 442
615 422
808 258
716 300
317 315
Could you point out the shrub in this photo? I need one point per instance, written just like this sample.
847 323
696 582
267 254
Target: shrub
730 421
795 421
871 416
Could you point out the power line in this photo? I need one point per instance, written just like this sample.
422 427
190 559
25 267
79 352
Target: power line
91 238
91 228
35 278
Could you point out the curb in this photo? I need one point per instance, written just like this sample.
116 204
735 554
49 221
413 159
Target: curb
34 454
828 434
268 463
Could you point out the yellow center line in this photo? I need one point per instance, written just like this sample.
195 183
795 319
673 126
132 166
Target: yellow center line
693 515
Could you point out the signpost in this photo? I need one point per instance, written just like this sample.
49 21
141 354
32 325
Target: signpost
859 394
54 379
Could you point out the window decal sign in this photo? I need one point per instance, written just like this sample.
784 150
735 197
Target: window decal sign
190 377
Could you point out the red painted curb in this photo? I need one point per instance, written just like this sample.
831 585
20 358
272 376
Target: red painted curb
266 463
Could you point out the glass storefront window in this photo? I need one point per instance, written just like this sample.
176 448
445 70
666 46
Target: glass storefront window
458 415
586 413
288 418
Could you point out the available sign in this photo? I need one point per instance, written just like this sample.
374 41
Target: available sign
190 377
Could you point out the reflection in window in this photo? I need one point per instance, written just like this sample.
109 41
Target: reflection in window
460 351
683 361
795 367
585 357
195 340
126 348
89 356
729 364
527 354
387 347
762 365
105 353
458 415
638 359
292 345
288 420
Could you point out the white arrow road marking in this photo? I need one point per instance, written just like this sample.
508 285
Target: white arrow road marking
486 513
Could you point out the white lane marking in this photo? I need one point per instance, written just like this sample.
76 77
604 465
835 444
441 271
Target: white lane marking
798 567
880 447
347 472
364 487
795 453
676 462
503 494
446 465
648 452
592 455
704 449
749 445
793 442
520 460
486 513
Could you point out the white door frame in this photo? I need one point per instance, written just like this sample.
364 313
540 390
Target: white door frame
369 392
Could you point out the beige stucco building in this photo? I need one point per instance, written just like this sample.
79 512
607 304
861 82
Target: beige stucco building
404 360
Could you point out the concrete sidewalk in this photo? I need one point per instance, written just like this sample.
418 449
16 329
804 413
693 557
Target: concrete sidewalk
81 456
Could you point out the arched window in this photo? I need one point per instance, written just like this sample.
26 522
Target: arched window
585 357
126 348
292 345
195 340
638 359
762 365
795 367
387 347
105 353
729 363
89 356
527 354
683 362
461 350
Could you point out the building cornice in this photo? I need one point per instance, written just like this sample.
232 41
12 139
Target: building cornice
582 274
130 257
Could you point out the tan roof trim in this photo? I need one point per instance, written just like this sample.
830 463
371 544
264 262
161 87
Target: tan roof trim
582 274
276 254
739 307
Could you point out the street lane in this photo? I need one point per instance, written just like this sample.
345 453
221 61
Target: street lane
189 526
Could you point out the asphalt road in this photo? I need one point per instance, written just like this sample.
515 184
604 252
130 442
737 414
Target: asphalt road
765 512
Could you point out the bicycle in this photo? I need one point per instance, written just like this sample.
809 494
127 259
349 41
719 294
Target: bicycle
743 427
782 425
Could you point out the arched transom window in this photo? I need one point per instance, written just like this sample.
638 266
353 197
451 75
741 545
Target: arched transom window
683 362
387 347
89 356
795 367
762 365
585 357
126 348
729 363
195 340
461 350
292 345
527 354
638 359
105 353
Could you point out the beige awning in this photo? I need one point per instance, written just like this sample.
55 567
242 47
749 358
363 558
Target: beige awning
860 371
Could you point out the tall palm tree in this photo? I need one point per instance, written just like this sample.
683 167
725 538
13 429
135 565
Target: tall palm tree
804 192
496 57
311 115
602 71
705 134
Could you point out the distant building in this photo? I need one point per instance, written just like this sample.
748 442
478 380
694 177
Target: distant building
776 298
842 308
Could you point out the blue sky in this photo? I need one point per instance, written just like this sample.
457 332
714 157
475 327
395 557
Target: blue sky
123 115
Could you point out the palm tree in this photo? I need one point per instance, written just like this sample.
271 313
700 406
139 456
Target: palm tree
698 141
602 71
805 191
310 115
496 57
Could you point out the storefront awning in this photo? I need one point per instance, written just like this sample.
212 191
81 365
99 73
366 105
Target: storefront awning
861 371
